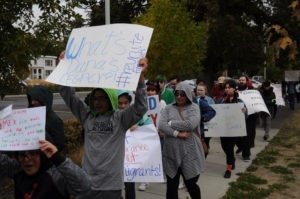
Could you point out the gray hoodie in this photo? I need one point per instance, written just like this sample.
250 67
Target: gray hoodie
185 153
104 136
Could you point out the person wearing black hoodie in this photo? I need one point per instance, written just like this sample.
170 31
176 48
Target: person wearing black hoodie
42 96
270 100
43 174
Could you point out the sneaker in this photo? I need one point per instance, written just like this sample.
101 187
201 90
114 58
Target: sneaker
238 151
266 137
143 186
246 159
181 185
227 174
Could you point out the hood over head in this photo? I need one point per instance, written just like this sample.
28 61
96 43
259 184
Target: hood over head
112 95
41 93
183 86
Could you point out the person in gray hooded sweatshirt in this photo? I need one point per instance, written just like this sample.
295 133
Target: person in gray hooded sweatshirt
104 135
183 152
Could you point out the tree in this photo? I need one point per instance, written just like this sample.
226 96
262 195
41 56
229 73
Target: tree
178 45
21 40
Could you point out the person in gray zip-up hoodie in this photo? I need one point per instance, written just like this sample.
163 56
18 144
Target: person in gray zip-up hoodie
104 135
183 152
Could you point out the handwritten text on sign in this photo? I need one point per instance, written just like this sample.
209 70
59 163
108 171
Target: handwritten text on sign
153 109
103 56
22 129
254 101
228 122
143 160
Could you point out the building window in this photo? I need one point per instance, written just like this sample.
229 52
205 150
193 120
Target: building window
35 62
40 71
34 71
48 63
48 72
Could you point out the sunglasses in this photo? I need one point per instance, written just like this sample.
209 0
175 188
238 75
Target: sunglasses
181 94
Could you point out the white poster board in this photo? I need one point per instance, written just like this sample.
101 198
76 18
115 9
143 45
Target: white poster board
143 160
153 109
22 129
103 56
291 75
228 122
277 88
254 101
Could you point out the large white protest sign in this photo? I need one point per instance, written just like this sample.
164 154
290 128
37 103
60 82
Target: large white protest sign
254 101
291 75
153 109
22 129
228 122
278 94
143 160
103 56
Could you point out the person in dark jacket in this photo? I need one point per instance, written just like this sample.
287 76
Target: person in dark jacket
270 100
228 143
43 174
245 143
42 96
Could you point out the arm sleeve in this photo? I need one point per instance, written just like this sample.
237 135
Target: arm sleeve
133 114
8 166
76 105
75 180
163 125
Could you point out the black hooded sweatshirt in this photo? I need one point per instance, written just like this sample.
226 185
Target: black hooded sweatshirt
54 125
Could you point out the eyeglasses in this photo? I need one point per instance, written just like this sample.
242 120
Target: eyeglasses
100 98
28 154
181 94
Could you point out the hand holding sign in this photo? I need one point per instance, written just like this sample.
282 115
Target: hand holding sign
47 148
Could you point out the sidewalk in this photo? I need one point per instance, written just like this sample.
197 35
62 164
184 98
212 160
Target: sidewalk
211 182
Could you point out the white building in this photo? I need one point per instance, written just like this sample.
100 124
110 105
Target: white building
42 67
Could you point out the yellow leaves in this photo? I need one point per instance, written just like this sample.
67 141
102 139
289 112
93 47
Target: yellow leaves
284 42
294 4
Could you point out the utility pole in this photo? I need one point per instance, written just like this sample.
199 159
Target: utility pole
107 12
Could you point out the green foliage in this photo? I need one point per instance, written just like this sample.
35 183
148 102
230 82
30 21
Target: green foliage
74 135
178 44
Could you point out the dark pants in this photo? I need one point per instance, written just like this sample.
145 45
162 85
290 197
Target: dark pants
129 190
291 98
228 144
191 185
101 194
247 142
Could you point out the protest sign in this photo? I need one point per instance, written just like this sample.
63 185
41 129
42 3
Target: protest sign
254 101
228 122
6 112
103 56
291 75
143 160
278 94
153 109
22 129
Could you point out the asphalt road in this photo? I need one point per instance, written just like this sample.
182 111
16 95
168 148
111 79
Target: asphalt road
20 101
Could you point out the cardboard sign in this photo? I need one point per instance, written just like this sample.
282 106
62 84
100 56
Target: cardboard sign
103 56
228 122
291 75
143 160
254 101
277 88
22 129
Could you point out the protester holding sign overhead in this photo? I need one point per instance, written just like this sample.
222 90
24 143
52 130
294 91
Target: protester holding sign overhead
104 134
183 152
44 174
